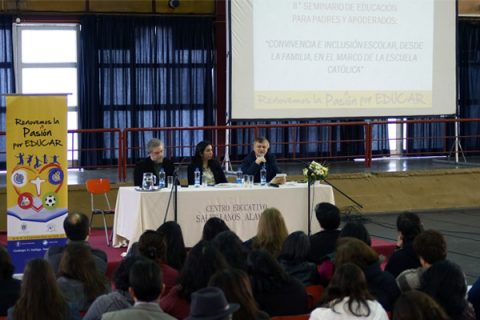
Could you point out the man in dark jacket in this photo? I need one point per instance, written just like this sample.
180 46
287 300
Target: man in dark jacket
153 163
258 158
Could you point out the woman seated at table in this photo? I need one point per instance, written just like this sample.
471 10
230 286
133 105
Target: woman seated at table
211 171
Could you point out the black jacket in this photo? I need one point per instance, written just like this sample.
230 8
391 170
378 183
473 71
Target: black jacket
250 167
147 165
213 164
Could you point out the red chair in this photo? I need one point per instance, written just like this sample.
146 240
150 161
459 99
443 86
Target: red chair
314 293
98 187
296 317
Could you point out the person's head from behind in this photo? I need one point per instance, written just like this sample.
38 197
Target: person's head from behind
155 149
296 247
203 151
211 304
77 263
328 216
76 226
355 229
271 231
232 249
40 294
212 227
146 283
202 262
348 281
236 285
173 237
267 274
261 146
152 245
445 283
352 250
409 226
430 246
417 305
122 273
6 266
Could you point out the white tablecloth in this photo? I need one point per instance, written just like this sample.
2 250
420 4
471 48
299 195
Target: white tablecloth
239 207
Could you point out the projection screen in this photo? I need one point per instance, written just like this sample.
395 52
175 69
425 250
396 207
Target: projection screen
295 59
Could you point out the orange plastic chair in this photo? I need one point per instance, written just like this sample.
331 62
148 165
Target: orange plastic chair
314 293
296 317
97 187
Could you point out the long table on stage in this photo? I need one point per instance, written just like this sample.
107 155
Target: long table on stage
240 207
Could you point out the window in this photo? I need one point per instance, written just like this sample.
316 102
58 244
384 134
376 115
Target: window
46 61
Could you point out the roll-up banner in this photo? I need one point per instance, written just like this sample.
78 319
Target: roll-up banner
37 190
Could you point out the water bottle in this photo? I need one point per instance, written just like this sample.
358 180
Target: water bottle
239 176
263 175
197 177
161 178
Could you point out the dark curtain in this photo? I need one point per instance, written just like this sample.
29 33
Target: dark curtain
144 72
469 83
321 143
7 81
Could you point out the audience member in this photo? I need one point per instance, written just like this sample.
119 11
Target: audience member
202 262
474 297
356 229
445 283
145 279
408 226
77 230
212 227
323 242
211 304
381 284
293 259
40 297
152 246
259 158
232 249
347 297
276 292
236 285
9 287
416 305
153 163
118 299
430 247
176 251
271 232
80 281
211 171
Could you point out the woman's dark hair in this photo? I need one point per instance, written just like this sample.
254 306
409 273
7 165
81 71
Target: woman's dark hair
173 237
356 229
352 250
6 266
77 263
348 281
152 245
202 262
232 249
212 227
417 305
199 149
266 273
120 277
40 296
445 283
409 224
237 288
296 247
